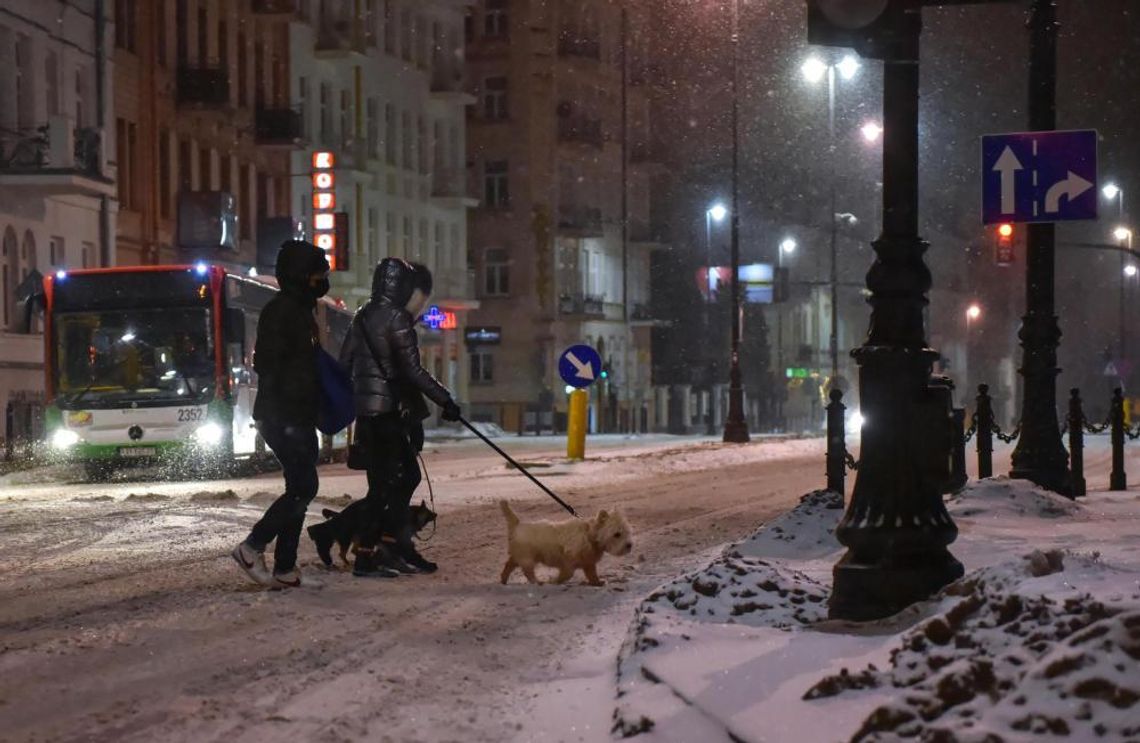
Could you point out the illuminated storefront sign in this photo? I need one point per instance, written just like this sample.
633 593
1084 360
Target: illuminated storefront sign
438 319
324 201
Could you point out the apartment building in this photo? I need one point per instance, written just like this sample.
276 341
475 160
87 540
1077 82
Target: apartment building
57 190
378 87
566 166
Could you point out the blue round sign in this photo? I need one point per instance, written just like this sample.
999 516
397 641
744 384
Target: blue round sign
579 366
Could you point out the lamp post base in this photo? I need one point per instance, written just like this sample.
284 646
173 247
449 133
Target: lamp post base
864 591
736 432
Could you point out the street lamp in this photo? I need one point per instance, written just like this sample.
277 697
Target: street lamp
973 312
871 132
1123 236
787 246
715 213
814 70
1130 271
735 426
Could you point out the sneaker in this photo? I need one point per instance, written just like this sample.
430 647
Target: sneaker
366 567
390 558
253 563
288 579
415 559
323 541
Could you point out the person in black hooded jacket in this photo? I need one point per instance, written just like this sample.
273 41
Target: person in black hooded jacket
286 408
389 384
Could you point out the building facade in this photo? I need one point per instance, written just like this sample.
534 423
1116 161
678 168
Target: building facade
57 207
565 162
378 86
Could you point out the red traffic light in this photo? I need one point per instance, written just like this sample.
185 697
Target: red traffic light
1005 230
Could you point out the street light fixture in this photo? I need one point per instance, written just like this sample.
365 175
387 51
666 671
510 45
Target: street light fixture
1122 234
1130 270
871 131
1110 191
973 312
718 212
788 246
814 70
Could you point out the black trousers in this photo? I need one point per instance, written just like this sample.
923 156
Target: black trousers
296 449
393 476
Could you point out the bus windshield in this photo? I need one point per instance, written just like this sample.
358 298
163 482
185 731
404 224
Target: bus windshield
160 356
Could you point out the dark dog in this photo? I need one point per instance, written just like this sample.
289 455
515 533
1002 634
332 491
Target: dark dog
344 526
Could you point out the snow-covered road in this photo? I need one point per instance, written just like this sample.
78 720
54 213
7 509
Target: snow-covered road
122 618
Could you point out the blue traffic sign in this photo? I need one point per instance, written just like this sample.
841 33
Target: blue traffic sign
1039 177
579 366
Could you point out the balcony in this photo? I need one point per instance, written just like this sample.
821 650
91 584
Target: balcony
279 127
580 221
339 39
275 7
447 84
55 159
450 188
582 48
581 131
204 86
582 305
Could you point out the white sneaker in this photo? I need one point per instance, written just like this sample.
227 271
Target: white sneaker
288 579
253 563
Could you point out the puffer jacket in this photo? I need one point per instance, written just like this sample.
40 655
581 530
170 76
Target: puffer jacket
392 380
285 353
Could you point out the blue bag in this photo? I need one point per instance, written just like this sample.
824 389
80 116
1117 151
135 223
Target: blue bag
337 409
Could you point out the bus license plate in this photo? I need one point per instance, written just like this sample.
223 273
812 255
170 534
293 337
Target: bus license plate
136 451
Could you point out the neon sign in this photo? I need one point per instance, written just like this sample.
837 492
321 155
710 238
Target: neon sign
438 319
324 201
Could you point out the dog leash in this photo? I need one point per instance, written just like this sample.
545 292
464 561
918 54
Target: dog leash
518 467
431 499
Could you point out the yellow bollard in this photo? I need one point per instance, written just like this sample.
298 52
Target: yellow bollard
576 426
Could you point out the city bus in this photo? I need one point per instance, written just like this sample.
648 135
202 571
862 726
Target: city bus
154 365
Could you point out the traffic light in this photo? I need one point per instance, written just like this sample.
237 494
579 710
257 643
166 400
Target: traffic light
875 28
1003 244
606 370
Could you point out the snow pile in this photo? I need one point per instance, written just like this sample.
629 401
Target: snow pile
807 531
745 590
490 430
1001 496
1000 659
1040 639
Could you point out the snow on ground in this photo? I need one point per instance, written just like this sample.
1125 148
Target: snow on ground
1040 639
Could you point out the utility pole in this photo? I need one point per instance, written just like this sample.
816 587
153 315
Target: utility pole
1040 455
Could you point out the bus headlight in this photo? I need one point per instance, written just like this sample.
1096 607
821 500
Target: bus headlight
209 434
64 439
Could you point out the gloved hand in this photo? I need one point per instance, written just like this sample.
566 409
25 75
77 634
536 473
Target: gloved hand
451 412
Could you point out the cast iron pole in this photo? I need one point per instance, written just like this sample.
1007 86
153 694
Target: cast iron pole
735 426
896 528
1040 455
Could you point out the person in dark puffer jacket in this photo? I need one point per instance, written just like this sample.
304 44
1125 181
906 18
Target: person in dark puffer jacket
382 352
286 408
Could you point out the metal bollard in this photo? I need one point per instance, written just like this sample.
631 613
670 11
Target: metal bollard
985 433
1117 480
836 444
958 477
1076 443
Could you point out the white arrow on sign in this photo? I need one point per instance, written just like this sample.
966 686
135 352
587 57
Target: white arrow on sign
1072 187
585 371
1008 165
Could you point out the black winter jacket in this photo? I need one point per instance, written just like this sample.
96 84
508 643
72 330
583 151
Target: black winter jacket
392 380
285 354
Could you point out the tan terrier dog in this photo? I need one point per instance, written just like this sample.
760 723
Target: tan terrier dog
566 545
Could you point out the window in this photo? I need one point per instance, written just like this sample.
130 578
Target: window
372 109
25 84
421 145
482 367
406 131
57 253
164 173
326 113
8 268
455 262
406 35
186 165
245 213
496 191
422 248
495 21
390 239
373 228
51 82
496 267
468 26
80 99
205 169
226 181
495 99
259 74
224 46
126 140
369 22
346 129
406 248
389 29
306 107
125 24
160 37
182 24
203 37
390 144
242 71
439 261
85 255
